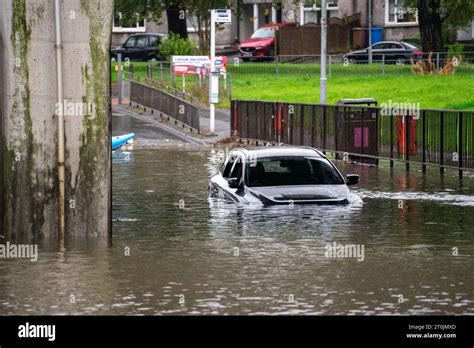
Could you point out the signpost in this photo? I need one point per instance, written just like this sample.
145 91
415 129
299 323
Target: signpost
323 79
217 16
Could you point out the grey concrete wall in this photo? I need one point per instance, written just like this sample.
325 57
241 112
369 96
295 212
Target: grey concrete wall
2 141
401 33
30 122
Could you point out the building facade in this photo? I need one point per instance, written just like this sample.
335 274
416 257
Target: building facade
398 21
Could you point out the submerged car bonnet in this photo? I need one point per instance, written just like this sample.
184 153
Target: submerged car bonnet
327 194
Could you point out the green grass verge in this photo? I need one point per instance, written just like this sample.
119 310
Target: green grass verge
300 83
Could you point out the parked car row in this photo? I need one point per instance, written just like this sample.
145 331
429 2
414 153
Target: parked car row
261 45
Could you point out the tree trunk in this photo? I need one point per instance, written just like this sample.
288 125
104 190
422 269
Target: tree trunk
430 24
177 21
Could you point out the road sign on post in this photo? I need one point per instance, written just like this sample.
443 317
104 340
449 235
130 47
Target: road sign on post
222 16
217 16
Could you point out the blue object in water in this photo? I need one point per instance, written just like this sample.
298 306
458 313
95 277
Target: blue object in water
377 35
119 141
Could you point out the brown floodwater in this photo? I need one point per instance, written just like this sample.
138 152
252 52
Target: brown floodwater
176 252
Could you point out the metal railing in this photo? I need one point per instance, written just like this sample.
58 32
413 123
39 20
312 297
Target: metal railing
179 109
443 138
309 65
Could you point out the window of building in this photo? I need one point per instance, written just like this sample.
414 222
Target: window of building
119 26
192 22
397 13
312 13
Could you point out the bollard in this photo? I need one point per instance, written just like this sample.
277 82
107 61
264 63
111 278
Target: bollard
330 67
119 77
383 65
276 67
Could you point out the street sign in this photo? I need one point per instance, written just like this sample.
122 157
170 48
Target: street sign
222 16
191 65
214 88
198 65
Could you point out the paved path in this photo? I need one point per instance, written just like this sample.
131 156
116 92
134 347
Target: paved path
169 130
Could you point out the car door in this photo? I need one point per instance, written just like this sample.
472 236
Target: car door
140 50
397 51
235 172
378 50
152 49
128 47
392 51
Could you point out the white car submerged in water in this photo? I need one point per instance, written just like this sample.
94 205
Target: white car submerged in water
281 175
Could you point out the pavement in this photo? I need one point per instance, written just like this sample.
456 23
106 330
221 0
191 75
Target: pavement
153 130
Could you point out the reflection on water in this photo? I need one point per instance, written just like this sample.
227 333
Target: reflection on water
176 252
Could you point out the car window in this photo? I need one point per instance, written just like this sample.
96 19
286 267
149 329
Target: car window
378 46
153 41
130 42
141 42
282 171
237 168
394 45
228 166
264 33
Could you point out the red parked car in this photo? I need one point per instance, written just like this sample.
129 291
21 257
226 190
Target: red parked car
262 43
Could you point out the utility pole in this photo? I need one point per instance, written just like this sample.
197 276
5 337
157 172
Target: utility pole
323 79
212 107
370 31
61 140
217 16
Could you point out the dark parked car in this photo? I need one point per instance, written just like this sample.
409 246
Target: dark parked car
261 43
139 47
281 175
394 52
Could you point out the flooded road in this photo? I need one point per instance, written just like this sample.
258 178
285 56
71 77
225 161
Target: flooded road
175 252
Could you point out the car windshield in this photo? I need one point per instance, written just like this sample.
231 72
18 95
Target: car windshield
283 171
264 33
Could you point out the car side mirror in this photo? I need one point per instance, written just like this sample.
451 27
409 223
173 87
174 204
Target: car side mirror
234 182
352 179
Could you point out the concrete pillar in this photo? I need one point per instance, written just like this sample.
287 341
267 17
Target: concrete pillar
30 124
255 17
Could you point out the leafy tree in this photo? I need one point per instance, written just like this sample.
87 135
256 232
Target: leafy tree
153 10
201 19
176 11
437 17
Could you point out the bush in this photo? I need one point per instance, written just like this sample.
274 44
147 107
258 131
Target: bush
175 45
414 40
455 49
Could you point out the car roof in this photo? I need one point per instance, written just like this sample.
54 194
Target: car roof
398 42
271 151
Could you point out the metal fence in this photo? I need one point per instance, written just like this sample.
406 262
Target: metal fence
156 99
443 138
338 66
